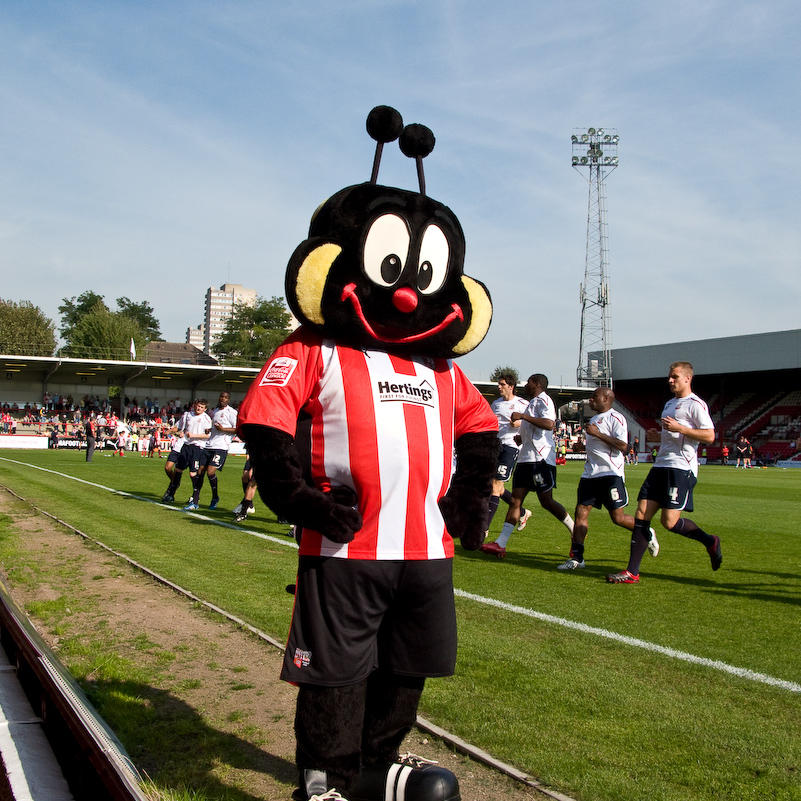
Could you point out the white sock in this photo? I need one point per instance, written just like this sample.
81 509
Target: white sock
568 522
506 532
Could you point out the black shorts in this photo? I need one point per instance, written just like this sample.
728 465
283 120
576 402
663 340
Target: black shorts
507 459
352 616
194 457
670 487
606 491
537 476
179 458
214 457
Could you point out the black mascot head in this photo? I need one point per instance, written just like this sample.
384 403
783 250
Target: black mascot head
383 267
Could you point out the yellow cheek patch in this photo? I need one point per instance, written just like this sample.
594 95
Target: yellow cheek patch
481 308
312 278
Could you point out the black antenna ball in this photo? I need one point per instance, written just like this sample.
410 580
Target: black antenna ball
384 124
417 141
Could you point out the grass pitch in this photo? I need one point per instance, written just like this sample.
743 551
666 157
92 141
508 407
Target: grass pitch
686 686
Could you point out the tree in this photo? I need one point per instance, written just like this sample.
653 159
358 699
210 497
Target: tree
103 334
253 332
143 314
25 330
499 371
73 309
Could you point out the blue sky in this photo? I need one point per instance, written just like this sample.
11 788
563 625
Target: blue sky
152 149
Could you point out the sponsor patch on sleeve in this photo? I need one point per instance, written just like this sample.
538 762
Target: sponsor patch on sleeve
278 372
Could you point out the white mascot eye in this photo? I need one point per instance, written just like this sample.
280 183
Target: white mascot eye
434 253
386 250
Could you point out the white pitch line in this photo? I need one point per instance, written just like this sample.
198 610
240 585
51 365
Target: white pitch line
278 540
743 673
715 664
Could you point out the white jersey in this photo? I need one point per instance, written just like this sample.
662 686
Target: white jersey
676 450
226 417
197 424
603 459
178 442
503 411
538 442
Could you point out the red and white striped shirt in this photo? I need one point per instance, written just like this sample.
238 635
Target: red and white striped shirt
382 424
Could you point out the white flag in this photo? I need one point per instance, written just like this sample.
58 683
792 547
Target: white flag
133 349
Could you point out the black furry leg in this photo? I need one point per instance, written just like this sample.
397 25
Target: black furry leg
328 731
390 713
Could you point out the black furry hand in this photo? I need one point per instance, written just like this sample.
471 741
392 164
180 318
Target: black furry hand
465 505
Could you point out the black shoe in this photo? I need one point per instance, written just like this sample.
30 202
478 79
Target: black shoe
410 779
715 554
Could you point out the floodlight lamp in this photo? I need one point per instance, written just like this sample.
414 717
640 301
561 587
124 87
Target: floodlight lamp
574 138
600 132
591 131
614 160
615 139
607 138
575 159
585 138
583 159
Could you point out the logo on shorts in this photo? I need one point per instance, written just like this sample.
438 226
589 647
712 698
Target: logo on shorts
278 372
302 658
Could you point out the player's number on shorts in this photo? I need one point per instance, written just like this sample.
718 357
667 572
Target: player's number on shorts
614 494
673 493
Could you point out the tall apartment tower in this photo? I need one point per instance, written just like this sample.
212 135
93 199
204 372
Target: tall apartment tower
220 305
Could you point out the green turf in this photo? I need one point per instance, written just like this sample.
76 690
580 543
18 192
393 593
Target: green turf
597 718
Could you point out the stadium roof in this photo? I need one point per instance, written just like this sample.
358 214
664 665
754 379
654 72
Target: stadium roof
780 350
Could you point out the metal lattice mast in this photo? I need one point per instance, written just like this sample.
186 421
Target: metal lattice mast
596 150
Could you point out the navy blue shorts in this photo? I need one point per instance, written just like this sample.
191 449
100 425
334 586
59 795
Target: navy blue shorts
352 616
507 459
214 457
537 476
606 491
670 487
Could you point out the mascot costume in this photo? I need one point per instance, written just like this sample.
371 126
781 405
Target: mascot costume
363 433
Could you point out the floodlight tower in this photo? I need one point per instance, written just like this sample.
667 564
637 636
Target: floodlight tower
596 150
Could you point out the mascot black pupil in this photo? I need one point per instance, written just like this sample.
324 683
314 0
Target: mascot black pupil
363 433
391 268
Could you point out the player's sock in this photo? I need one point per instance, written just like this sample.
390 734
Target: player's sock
640 537
568 523
689 529
213 485
175 482
577 551
506 533
197 484
506 497
246 504
493 507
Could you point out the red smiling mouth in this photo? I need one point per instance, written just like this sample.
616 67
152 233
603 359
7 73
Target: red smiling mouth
349 293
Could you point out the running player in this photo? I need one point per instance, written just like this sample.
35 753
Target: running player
685 423
503 407
196 433
602 482
223 429
536 464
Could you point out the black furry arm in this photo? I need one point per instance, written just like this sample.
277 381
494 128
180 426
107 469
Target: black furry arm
464 507
279 477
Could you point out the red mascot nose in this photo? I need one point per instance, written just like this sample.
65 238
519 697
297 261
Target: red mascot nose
405 300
